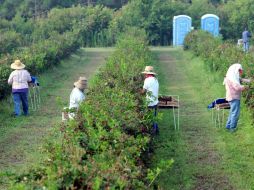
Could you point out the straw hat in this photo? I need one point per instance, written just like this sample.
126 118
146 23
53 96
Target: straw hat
81 83
149 70
17 65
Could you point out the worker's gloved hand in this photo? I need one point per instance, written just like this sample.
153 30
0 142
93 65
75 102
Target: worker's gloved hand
246 80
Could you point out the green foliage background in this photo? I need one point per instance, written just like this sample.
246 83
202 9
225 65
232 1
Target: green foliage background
155 17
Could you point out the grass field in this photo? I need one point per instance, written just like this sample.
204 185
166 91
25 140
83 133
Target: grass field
205 157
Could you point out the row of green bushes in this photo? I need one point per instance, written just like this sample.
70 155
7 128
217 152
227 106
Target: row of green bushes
219 55
29 9
104 148
29 31
56 37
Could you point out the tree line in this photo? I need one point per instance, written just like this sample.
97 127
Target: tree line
34 8
155 17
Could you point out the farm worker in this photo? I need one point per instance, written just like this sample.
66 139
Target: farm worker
151 88
77 95
233 94
19 79
246 35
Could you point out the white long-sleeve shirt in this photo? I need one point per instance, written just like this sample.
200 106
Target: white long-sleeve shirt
151 85
233 90
76 97
19 79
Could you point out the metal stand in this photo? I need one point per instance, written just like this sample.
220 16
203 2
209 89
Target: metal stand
178 112
173 104
34 96
218 113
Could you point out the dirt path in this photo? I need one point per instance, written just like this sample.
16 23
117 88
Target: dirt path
197 160
22 138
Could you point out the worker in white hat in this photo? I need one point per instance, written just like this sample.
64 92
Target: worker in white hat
77 95
234 88
19 79
151 88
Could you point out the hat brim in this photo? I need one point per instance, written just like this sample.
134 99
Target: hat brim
151 73
14 66
79 85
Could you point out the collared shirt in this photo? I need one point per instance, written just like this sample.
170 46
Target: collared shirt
233 90
151 85
76 97
19 80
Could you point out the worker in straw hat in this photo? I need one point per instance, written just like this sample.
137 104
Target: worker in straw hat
77 95
151 88
19 79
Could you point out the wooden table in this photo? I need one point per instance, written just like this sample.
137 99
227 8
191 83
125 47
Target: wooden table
170 102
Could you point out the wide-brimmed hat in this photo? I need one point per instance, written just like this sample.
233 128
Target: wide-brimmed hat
149 70
17 65
81 83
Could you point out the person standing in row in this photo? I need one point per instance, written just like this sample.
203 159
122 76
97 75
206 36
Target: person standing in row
77 95
246 35
233 94
19 79
151 88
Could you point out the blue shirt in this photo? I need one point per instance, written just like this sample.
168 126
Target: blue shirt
245 36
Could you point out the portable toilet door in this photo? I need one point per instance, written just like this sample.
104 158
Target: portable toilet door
210 23
181 27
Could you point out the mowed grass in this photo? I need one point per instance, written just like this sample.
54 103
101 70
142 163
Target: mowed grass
206 157
21 139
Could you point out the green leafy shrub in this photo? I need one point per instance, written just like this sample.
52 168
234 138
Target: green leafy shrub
9 41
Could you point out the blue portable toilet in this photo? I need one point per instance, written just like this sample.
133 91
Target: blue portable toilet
210 23
181 27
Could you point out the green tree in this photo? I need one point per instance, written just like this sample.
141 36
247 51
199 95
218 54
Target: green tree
237 15
153 16
198 9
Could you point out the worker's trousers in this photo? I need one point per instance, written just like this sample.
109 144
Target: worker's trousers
234 114
155 129
245 46
18 99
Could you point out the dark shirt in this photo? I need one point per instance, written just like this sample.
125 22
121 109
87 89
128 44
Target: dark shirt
20 90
